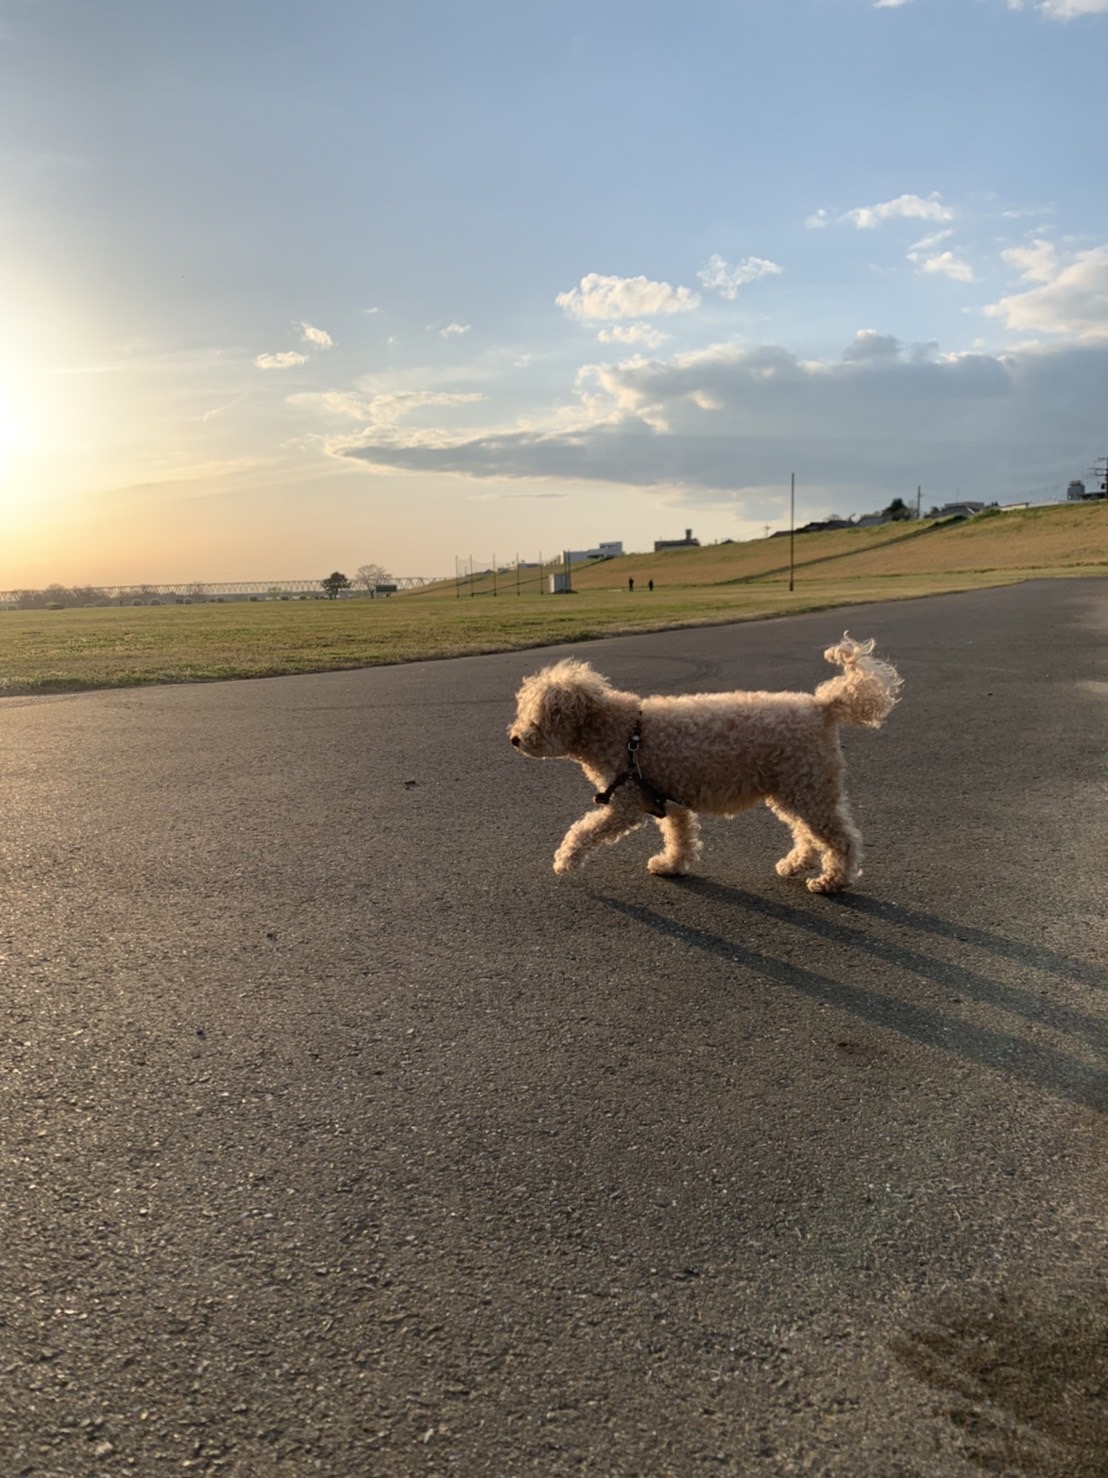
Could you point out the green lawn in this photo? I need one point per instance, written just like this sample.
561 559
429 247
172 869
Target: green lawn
69 650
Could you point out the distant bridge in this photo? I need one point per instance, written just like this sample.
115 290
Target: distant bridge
195 590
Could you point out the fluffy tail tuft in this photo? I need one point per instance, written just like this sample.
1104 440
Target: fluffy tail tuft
867 689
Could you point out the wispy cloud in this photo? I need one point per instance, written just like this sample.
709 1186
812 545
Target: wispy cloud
288 359
943 263
384 410
890 4
633 333
1062 10
319 338
717 276
624 297
904 207
453 330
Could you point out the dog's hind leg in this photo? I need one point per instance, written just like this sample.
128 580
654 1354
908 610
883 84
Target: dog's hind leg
805 848
827 829
681 844
840 849
605 824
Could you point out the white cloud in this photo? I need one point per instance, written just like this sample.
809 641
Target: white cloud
717 276
287 360
818 220
1037 262
904 207
454 329
633 333
319 338
624 297
1063 10
889 4
944 264
1069 298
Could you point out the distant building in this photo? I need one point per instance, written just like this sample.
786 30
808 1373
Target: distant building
817 526
959 510
688 542
1078 493
611 550
871 520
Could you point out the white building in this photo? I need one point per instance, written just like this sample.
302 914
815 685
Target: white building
611 550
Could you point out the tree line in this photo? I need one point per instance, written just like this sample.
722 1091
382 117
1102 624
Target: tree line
55 597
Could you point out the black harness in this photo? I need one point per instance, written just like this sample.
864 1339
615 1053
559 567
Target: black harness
656 800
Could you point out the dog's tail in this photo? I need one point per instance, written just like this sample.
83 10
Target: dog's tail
867 689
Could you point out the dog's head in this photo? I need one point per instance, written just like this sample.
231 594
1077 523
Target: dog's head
553 708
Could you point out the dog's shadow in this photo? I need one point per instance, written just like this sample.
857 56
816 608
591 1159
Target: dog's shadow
829 920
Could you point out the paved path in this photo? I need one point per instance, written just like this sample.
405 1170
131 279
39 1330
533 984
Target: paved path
340 1136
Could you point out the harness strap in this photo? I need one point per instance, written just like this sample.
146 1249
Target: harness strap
634 775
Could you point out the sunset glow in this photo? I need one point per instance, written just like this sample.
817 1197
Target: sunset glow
478 291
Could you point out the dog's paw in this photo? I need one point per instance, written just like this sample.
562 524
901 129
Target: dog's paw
563 863
665 867
827 885
786 868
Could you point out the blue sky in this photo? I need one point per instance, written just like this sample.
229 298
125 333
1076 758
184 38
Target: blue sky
290 286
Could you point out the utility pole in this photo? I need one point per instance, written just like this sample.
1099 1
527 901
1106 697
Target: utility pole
919 493
792 524
1099 470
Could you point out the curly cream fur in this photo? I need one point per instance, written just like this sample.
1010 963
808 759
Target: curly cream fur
711 753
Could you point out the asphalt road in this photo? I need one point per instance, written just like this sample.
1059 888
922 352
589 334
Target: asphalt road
340 1136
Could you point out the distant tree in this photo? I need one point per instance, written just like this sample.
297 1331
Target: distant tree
370 575
898 510
335 582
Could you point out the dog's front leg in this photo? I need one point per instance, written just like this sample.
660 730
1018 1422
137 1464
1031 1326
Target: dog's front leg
603 824
681 844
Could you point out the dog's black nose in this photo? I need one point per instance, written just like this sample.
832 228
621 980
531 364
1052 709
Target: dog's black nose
515 740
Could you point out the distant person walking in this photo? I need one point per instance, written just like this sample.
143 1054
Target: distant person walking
630 584
650 585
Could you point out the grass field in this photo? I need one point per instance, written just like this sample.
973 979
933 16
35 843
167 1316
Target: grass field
69 650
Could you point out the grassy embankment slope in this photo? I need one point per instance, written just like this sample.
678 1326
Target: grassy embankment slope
59 651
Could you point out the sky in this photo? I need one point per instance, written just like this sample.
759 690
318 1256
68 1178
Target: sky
289 286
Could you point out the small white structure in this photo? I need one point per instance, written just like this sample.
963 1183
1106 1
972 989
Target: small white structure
559 584
611 550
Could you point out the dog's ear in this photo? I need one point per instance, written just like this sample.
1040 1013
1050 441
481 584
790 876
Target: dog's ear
572 692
